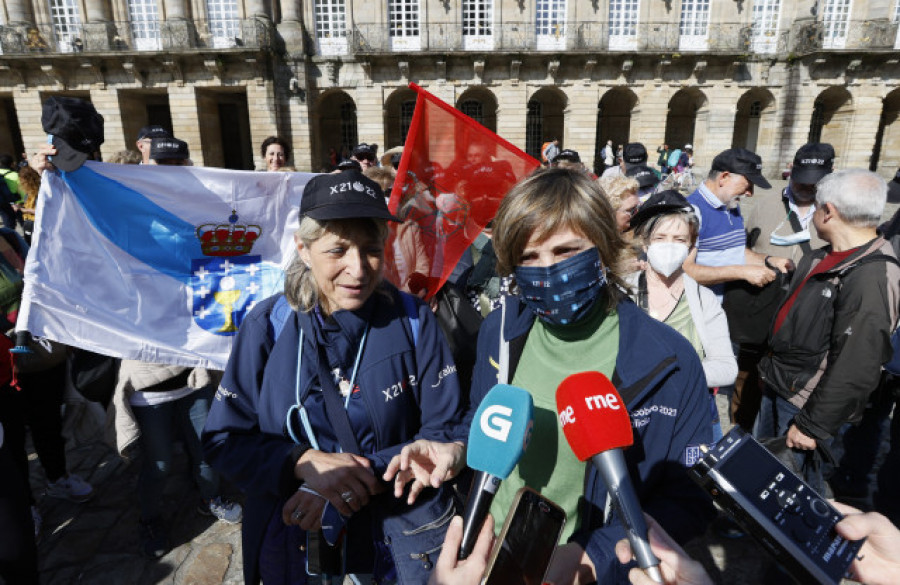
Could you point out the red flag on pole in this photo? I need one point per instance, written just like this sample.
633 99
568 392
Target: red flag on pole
453 174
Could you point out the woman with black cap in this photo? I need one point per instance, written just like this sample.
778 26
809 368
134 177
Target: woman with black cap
667 226
325 385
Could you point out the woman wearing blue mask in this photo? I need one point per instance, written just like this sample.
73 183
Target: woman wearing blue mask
556 232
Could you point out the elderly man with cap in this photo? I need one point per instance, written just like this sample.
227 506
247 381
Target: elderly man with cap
364 154
721 254
634 154
145 139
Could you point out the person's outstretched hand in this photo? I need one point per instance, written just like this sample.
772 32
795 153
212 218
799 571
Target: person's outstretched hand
878 561
449 570
425 463
676 566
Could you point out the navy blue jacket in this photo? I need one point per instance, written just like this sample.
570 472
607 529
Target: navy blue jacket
660 378
405 392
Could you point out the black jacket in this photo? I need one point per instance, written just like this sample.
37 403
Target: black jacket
826 358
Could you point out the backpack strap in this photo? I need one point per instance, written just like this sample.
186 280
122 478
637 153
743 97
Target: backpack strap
412 313
278 316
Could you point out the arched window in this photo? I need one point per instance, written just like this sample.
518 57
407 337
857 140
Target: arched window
349 137
817 122
534 129
406 115
473 109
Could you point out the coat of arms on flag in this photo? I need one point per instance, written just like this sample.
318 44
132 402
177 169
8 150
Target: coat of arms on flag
226 282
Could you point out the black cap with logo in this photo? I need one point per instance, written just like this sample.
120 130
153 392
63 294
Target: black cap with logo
364 151
154 131
344 195
634 153
567 154
76 128
667 201
168 148
812 162
644 175
741 161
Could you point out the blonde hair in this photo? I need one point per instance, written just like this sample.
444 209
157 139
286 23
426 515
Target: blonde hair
125 157
617 188
384 177
300 286
552 199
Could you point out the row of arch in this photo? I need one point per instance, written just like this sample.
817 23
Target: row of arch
757 121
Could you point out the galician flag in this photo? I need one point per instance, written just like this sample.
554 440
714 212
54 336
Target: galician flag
156 263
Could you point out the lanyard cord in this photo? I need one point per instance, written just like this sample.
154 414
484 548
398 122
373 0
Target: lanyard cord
298 405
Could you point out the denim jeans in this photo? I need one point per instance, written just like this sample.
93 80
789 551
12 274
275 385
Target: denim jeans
774 419
160 425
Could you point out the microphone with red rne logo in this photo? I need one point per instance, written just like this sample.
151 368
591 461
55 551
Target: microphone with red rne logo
597 427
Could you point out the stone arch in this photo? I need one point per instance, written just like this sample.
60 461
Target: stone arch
832 118
398 109
335 116
886 154
480 104
687 119
754 108
545 119
614 119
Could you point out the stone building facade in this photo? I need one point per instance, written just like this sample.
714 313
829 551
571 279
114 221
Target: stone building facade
224 74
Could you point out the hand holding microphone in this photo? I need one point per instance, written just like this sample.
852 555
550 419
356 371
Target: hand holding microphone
597 427
497 439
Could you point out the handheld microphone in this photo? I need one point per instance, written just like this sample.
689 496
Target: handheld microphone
597 427
497 439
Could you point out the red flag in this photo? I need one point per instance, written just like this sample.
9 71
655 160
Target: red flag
453 174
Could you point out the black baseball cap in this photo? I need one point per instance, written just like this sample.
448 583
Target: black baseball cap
343 196
645 176
567 154
348 164
363 150
168 148
634 153
812 162
893 195
662 202
741 161
76 128
153 132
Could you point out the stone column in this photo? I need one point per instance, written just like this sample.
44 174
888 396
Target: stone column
106 101
289 28
177 31
98 30
186 119
648 117
263 117
369 114
512 112
863 128
257 8
581 121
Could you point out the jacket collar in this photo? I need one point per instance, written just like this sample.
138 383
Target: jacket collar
642 358
873 246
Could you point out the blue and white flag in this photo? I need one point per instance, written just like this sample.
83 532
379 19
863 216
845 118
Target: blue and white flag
157 263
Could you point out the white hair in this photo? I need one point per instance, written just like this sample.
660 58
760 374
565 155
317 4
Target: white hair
858 195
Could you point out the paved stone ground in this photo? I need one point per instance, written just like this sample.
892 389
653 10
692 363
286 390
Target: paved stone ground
97 542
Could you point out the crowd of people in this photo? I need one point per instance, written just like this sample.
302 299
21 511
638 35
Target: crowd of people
344 410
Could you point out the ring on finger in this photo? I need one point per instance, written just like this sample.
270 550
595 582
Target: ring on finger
298 514
347 496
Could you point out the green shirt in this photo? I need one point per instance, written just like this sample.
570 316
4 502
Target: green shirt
681 320
552 353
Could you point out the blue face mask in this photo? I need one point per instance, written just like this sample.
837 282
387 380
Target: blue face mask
565 292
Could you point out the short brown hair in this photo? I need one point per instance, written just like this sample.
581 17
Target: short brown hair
551 199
